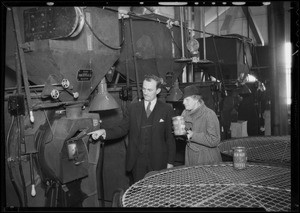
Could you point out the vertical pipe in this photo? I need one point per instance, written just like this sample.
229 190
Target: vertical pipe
100 177
33 192
218 26
101 172
22 61
279 121
134 59
126 59
190 26
181 31
182 44
203 30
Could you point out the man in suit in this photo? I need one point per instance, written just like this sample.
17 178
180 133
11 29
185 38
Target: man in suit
151 144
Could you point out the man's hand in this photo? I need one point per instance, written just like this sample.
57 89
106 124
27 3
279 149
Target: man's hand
96 134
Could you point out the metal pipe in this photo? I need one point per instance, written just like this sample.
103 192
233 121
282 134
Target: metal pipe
21 139
203 29
100 173
10 162
33 192
134 59
181 31
22 61
30 87
66 103
161 22
18 73
126 63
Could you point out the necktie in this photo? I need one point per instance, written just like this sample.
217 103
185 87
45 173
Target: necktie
148 110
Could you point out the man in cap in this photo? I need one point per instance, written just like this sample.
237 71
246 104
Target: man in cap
203 129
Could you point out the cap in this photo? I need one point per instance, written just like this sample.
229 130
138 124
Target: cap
190 90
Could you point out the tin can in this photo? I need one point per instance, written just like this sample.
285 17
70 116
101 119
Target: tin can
179 125
239 158
72 151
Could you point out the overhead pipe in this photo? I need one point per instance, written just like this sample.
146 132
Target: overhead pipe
156 20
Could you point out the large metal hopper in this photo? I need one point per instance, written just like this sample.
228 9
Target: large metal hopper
59 45
150 47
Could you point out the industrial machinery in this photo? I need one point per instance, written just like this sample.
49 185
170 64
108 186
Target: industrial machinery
64 61
60 59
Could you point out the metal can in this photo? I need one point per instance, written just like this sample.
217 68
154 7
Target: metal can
179 125
239 158
72 151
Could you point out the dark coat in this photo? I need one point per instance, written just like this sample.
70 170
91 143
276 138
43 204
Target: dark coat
162 148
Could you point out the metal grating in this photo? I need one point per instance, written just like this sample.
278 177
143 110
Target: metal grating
257 186
269 149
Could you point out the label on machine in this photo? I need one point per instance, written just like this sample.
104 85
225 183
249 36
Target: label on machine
84 75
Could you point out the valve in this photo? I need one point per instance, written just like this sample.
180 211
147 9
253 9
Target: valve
65 83
55 94
75 95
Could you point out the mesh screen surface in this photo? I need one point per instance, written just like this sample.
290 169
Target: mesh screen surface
257 186
269 149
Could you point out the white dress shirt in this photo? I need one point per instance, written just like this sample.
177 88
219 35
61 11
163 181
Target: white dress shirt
153 102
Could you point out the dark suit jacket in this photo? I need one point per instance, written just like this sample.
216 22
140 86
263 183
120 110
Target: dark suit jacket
162 147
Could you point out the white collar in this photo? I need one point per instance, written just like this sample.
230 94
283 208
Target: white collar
153 102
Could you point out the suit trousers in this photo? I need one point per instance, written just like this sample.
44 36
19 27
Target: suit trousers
141 167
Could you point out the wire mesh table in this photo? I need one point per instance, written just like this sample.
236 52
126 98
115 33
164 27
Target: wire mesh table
214 186
265 149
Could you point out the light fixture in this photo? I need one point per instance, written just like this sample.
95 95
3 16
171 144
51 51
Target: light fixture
172 3
175 93
103 100
50 3
266 3
239 3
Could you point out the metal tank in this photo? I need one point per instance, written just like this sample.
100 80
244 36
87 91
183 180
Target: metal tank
152 43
